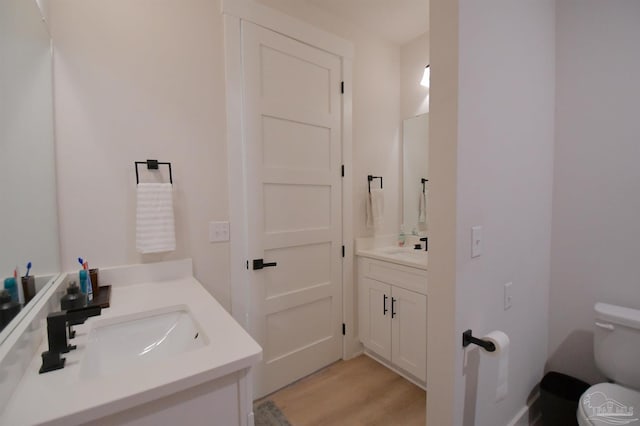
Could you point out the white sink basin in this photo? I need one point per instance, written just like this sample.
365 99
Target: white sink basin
144 338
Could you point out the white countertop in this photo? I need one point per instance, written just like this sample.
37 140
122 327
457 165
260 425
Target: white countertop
400 255
62 397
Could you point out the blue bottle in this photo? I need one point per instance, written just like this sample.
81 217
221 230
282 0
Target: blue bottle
11 285
83 280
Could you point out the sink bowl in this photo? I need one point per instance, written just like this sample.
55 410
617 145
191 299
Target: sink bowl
148 338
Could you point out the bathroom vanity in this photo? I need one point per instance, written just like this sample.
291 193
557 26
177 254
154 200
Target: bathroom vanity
165 352
392 307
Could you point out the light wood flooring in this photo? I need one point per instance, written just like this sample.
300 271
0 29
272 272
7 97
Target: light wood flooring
355 392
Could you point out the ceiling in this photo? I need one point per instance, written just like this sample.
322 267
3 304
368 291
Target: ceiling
398 21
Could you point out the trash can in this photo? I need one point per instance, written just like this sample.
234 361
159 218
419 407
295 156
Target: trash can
559 398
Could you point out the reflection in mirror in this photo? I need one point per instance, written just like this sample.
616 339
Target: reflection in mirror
415 147
28 223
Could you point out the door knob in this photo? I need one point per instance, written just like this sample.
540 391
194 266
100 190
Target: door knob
260 264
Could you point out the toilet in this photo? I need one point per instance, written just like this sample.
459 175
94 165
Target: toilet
616 344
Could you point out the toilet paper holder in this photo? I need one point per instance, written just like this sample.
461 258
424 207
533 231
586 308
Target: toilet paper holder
467 339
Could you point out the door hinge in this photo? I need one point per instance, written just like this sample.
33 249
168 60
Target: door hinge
342 87
342 251
342 170
344 329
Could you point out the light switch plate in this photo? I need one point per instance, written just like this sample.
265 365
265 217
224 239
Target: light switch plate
476 241
218 232
508 295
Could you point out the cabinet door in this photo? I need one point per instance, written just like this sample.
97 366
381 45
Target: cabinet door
409 331
375 316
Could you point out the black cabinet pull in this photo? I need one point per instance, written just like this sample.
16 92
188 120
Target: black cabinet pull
384 305
393 307
259 264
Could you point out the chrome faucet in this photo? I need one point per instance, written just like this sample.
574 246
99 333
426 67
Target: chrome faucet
57 336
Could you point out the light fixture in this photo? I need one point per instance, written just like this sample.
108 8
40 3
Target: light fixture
426 77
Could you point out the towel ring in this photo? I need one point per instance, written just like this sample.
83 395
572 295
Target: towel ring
423 181
153 165
370 178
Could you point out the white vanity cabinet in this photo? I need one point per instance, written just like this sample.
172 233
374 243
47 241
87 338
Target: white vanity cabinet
393 315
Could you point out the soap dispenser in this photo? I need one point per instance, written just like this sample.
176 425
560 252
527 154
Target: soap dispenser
74 299
9 308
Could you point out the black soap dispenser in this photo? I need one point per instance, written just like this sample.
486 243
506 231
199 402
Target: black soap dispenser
74 298
8 308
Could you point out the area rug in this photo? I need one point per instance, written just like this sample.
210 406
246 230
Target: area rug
267 413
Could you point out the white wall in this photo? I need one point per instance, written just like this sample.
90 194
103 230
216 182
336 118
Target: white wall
376 110
596 205
505 177
504 155
414 56
137 80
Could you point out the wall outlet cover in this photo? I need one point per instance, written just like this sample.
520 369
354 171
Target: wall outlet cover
508 295
476 241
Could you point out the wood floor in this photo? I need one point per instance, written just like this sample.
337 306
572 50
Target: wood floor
355 392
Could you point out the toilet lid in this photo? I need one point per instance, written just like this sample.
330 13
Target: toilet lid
609 404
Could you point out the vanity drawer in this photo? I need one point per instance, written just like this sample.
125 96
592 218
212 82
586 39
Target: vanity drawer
413 279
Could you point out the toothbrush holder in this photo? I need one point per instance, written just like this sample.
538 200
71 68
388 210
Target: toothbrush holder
28 288
93 275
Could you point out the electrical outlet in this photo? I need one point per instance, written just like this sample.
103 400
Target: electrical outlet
218 232
476 241
508 295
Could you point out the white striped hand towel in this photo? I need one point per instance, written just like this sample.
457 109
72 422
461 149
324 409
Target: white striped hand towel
155 227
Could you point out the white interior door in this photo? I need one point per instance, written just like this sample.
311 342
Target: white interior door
292 113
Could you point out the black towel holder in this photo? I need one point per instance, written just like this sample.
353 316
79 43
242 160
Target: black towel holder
153 165
423 181
370 178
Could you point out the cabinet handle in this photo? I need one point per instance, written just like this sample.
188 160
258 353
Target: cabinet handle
393 307
384 305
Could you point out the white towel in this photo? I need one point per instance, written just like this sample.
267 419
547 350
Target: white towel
375 209
155 228
422 208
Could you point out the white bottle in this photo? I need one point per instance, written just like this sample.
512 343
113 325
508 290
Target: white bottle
401 237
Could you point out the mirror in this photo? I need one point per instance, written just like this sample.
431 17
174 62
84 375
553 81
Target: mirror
29 222
415 147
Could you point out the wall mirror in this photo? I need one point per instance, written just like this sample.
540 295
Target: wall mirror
415 147
29 222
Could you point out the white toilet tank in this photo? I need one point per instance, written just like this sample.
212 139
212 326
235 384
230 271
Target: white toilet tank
616 344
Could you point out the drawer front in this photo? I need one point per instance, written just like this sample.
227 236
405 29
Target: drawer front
413 279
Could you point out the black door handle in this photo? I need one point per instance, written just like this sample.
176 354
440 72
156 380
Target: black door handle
259 264
393 307
384 305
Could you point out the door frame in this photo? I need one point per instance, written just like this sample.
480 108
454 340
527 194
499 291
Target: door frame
235 11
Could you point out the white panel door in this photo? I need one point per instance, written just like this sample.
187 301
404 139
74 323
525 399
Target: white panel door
292 113
409 331
375 316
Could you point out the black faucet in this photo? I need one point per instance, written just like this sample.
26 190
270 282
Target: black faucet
57 334
426 240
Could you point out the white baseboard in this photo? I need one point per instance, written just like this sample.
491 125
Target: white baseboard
529 415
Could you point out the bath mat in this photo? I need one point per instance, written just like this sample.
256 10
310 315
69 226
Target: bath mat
267 413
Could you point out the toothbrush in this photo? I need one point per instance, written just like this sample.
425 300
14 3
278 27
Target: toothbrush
28 269
81 262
